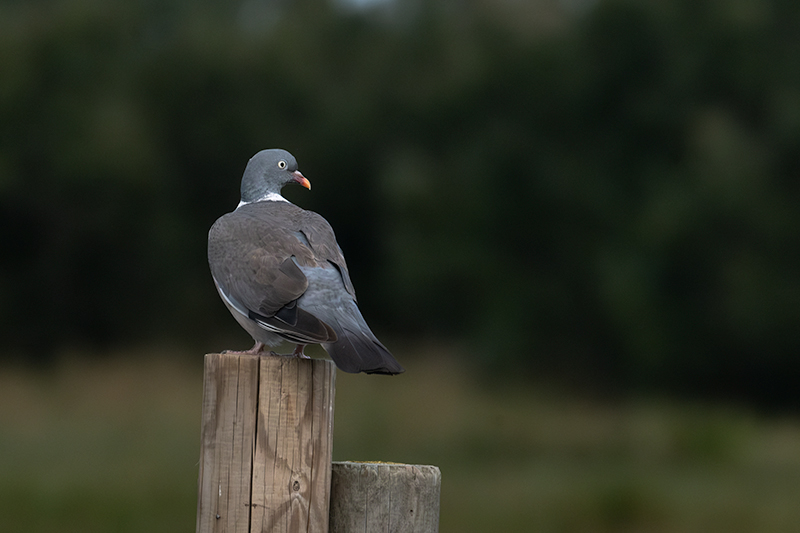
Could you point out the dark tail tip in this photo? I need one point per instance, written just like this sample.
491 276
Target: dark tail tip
353 353
390 366
387 371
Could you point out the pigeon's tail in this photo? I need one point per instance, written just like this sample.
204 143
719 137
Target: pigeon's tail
357 349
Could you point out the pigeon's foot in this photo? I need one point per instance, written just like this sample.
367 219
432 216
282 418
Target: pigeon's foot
257 348
298 352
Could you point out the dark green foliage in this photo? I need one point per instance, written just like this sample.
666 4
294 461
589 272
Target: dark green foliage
608 193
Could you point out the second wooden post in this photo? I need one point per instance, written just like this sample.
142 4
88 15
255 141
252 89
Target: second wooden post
267 436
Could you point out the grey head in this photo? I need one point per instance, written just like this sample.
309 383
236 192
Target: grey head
266 174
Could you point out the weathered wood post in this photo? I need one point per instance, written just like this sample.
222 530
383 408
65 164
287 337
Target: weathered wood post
267 435
387 497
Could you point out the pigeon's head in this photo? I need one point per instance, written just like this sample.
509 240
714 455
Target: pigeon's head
267 172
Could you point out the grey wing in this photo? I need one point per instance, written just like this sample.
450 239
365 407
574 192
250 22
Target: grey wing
251 260
331 297
327 253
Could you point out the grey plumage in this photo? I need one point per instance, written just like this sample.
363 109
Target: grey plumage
281 273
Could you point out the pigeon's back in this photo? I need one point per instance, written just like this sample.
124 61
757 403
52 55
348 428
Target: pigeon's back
273 255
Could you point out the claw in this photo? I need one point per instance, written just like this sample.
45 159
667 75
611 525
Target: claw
298 352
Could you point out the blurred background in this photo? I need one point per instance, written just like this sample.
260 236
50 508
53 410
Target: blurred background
575 222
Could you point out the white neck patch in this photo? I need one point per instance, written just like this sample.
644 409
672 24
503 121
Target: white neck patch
271 197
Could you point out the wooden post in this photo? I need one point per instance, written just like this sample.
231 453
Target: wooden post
267 435
388 497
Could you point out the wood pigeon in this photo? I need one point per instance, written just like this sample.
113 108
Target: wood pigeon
281 273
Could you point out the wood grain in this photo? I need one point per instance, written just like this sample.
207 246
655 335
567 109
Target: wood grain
266 444
386 497
230 392
294 441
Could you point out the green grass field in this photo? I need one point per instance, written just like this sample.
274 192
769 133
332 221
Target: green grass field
111 445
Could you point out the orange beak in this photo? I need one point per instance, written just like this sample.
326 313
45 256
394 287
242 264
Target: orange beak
299 178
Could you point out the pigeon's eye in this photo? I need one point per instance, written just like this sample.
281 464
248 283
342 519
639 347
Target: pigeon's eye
281 164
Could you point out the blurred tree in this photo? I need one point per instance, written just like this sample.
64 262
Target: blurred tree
605 190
